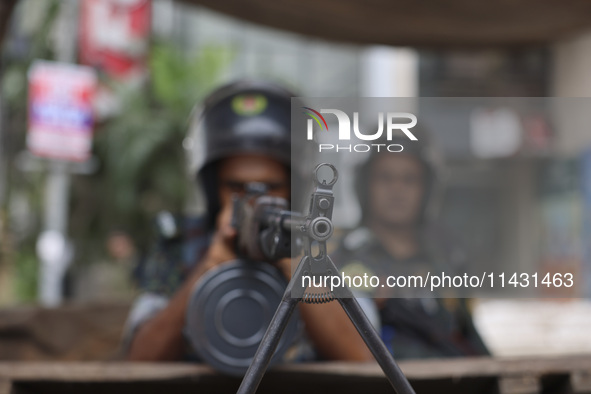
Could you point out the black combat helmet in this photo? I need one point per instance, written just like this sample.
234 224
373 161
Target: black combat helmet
240 117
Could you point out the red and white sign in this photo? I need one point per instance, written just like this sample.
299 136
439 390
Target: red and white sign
114 36
60 110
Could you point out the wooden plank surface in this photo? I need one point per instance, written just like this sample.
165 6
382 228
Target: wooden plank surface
519 384
414 370
460 368
5 386
101 372
68 333
580 382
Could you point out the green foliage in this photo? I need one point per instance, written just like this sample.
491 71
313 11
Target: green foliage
19 254
143 164
14 75
179 82
26 271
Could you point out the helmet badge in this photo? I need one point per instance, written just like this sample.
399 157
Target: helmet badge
249 104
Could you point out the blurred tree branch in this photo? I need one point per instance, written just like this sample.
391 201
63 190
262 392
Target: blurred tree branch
6 8
143 164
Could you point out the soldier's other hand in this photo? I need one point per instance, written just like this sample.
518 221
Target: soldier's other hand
284 266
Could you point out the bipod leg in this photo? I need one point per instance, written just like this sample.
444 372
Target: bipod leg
375 344
271 339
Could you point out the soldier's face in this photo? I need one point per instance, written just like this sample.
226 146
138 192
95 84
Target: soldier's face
237 171
396 188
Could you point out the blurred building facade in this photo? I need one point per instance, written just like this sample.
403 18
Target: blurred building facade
311 67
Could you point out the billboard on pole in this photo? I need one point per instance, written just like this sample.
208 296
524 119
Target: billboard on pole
114 36
60 110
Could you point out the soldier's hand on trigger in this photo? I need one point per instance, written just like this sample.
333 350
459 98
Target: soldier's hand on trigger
222 247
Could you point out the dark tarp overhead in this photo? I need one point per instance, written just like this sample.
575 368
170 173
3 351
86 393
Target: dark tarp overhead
425 23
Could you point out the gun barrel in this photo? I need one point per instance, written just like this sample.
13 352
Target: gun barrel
286 220
294 221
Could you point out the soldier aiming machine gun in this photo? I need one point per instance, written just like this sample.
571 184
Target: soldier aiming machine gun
265 227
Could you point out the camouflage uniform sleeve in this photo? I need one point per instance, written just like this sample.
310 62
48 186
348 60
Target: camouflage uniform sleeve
346 258
143 309
163 272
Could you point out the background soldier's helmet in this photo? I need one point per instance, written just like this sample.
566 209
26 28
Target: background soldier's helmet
238 118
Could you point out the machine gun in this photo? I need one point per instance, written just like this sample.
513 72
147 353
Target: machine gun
265 227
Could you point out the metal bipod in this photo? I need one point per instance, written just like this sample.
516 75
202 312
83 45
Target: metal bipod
316 229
